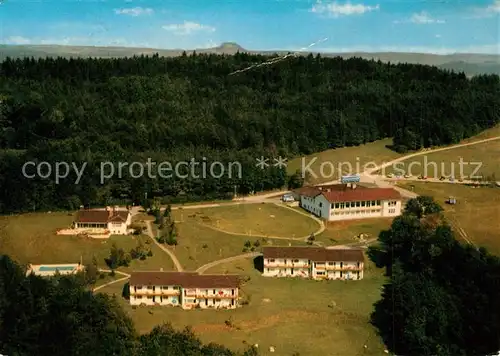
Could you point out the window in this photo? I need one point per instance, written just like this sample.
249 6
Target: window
150 287
271 260
341 205
138 287
320 204
363 203
150 297
322 273
378 202
214 291
138 297
392 211
358 204
206 301
330 263
213 301
295 261
232 290
337 205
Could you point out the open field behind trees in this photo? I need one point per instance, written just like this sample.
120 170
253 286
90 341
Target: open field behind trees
253 219
484 156
356 157
31 238
293 315
477 210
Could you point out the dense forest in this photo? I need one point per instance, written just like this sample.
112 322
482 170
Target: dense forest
174 109
62 316
442 296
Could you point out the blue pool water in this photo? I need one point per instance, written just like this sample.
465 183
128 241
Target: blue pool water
53 269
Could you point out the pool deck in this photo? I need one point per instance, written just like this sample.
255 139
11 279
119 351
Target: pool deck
50 270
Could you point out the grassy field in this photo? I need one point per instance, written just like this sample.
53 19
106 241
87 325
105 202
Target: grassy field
31 238
199 244
446 163
477 210
343 232
356 158
293 315
353 160
252 219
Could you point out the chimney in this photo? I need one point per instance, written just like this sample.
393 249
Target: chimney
353 186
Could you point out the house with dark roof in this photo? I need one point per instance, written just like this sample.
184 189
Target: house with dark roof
313 262
111 221
187 290
350 201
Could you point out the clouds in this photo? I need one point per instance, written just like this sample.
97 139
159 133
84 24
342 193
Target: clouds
17 40
490 10
134 11
421 18
188 28
336 9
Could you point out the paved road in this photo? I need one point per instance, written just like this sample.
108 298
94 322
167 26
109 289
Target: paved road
226 260
174 259
127 276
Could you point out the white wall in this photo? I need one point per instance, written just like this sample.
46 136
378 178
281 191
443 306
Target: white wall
391 208
185 298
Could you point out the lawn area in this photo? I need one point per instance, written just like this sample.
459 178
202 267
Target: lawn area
446 163
331 319
199 244
31 238
353 160
252 219
343 232
477 210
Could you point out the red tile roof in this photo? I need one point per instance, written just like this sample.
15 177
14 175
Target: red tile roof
364 194
184 279
317 254
100 216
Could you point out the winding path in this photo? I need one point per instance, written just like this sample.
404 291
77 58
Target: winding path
127 276
172 256
226 260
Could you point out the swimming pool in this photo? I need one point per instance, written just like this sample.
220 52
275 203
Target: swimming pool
53 269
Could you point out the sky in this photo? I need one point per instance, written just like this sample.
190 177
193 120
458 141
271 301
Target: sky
430 26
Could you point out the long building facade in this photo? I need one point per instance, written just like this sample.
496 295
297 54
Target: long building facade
187 290
313 262
349 201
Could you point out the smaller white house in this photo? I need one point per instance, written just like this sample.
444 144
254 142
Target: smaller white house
348 201
313 262
187 290
110 221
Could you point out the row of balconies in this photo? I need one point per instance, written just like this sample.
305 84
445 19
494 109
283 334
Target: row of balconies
293 265
338 268
198 296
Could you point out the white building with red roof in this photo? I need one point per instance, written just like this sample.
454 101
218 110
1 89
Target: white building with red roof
350 201
110 221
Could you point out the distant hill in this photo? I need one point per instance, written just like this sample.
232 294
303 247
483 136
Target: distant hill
470 63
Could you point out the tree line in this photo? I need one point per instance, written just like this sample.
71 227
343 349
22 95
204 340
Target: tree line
174 109
61 316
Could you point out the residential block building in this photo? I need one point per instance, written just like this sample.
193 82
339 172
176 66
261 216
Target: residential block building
109 220
313 262
350 201
187 290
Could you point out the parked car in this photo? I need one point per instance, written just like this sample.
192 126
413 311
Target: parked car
407 176
452 179
390 175
442 178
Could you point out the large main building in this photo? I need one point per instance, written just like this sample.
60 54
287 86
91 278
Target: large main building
313 262
349 201
185 289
